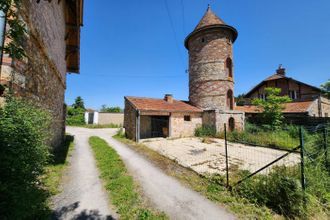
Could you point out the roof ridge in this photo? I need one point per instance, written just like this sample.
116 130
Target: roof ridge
209 19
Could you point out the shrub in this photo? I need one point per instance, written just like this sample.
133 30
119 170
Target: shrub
205 131
75 116
23 155
280 190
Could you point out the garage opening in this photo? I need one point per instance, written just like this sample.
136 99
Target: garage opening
154 126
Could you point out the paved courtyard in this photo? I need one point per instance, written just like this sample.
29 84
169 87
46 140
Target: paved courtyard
208 157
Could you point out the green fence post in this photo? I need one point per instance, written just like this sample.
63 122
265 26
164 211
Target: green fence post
302 164
226 153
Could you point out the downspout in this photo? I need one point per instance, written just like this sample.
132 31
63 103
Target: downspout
2 36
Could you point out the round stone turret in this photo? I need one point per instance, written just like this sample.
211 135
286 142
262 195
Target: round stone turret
211 83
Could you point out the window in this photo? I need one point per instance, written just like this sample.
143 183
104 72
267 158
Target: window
262 96
229 67
293 94
187 118
203 40
231 123
326 115
230 99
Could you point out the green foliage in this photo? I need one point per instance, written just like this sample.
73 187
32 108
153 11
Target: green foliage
23 155
272 106
119 184
279 190
326 88
16 34
240 101
78 103
205 131
116 109
75 116
282 138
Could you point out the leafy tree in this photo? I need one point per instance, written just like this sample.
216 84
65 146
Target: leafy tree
23 155
240 101
115 109
75 116
79 103
272 106
326 88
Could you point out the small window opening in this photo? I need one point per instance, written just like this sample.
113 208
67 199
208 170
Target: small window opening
229 67
292 94
203 40
230 99
187 118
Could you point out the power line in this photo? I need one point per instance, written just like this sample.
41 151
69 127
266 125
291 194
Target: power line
183 15
173 30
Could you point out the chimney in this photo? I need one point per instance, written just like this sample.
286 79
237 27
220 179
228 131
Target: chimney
168 98
280 70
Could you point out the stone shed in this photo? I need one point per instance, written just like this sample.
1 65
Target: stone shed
150 117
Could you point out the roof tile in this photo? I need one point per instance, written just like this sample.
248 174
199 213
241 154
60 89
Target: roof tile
291 107
152 104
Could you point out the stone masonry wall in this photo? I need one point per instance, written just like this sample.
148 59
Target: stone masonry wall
130 121
41 76
209 79
181 128
217 119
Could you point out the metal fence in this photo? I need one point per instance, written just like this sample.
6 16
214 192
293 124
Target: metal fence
295 151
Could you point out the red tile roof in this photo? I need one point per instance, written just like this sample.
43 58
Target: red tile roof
152 104
291 107
209 19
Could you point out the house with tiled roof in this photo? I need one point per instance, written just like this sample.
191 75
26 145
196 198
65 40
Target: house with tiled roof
307 100
211 89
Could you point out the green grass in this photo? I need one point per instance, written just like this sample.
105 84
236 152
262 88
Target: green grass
95 126
122 189
53 172
211 187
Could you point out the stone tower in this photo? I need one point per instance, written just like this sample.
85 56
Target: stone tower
211 75
211 83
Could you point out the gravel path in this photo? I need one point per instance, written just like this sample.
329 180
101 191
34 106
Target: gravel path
166 193
83 196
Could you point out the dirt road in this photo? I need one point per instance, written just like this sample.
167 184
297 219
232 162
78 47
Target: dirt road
165 193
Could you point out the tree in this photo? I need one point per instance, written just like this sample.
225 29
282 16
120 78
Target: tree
240 101
79 103
326 88
272 106
115 109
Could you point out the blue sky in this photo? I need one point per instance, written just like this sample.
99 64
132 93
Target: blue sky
129 47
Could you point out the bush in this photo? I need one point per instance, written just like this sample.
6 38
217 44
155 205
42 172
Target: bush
23 155
280 190
205 131
75 116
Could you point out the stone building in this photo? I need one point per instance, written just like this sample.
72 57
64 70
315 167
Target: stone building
211 89
52 51
307 100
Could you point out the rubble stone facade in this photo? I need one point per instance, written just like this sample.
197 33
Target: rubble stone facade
211 71
41 76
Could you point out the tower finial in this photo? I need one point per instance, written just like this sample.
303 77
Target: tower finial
208 6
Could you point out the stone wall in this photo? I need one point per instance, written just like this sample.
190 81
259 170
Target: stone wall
41 76
320 108
110 118
217 119
209 79
181 128
130 120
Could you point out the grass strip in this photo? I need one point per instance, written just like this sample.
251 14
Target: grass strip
212 188
119 184
96 126
54 170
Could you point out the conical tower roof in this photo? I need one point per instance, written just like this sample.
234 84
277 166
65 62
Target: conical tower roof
209 19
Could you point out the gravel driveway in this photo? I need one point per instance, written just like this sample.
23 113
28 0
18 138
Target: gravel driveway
83 196
164 192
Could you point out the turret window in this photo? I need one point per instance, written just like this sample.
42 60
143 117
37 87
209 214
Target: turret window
230 99
229 67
